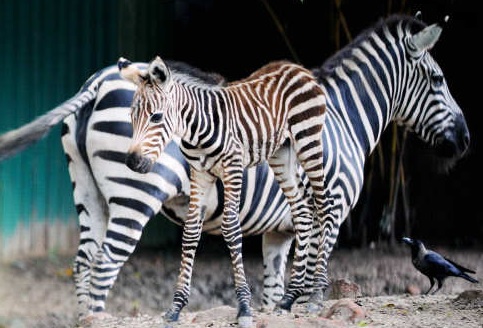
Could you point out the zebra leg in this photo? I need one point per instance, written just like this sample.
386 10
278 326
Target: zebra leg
309 151
312 254
92 224
123 233
232 234
92 214
284 165
325 236
275 247
200 186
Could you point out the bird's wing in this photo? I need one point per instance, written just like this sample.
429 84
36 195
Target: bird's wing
434 258
435 264
462 268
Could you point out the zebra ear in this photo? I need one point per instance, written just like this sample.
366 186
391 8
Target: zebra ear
158 71
427 37
130 72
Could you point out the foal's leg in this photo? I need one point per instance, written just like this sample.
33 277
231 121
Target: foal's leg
200 186
284 165
232 178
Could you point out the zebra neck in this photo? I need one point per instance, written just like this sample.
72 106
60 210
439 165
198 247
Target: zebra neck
200 109
360 101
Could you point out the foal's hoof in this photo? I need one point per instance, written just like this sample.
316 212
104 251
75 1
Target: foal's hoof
245 322
171 316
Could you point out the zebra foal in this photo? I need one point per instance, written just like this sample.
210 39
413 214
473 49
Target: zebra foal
274 115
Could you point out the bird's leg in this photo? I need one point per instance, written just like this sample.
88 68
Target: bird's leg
431 280
440 284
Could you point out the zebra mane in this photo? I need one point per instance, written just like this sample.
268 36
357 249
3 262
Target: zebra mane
187 73
413 25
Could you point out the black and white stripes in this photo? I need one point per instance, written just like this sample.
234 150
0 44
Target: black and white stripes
274 115
386 75
368 84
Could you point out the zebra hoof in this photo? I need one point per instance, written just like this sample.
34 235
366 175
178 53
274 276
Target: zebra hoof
245 322
285 304
171 315
244 316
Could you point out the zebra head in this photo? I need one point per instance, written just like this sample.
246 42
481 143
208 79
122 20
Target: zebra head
151 112
428 108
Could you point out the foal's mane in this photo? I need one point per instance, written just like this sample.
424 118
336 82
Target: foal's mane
194 74
267 68
413 24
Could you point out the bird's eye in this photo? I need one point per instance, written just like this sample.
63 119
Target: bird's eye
156 117
437 80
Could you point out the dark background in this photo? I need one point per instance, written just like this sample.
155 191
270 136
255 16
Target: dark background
50 47
235 38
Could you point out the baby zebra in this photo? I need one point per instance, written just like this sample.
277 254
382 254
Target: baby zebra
274 115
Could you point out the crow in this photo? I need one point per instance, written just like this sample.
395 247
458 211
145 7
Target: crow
435 266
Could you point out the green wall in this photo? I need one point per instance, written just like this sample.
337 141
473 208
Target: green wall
49 48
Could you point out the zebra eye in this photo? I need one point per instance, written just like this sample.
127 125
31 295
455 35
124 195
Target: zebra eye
437 80
156 118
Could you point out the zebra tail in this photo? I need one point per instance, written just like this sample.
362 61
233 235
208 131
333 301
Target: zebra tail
15 141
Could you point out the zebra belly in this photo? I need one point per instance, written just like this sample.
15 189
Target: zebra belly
255 153
263 206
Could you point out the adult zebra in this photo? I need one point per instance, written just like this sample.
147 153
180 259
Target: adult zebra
349 136
385 75
114 203
275 115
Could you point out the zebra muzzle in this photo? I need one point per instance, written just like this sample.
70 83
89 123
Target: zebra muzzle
138 163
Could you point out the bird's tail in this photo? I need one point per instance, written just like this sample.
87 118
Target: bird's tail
459 266
469 278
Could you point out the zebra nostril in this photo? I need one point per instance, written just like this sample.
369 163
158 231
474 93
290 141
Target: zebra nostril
131 161
466 141
462 135
138 163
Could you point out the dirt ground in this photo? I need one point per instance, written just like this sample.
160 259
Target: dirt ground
40 293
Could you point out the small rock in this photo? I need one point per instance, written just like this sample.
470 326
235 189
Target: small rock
344 288
413 290
469 299
346 310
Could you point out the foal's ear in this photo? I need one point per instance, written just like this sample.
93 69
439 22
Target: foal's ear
158 71
419 16
130 72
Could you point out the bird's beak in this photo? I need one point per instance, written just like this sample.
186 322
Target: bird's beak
407 240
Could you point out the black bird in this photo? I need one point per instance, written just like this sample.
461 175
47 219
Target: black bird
435 266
